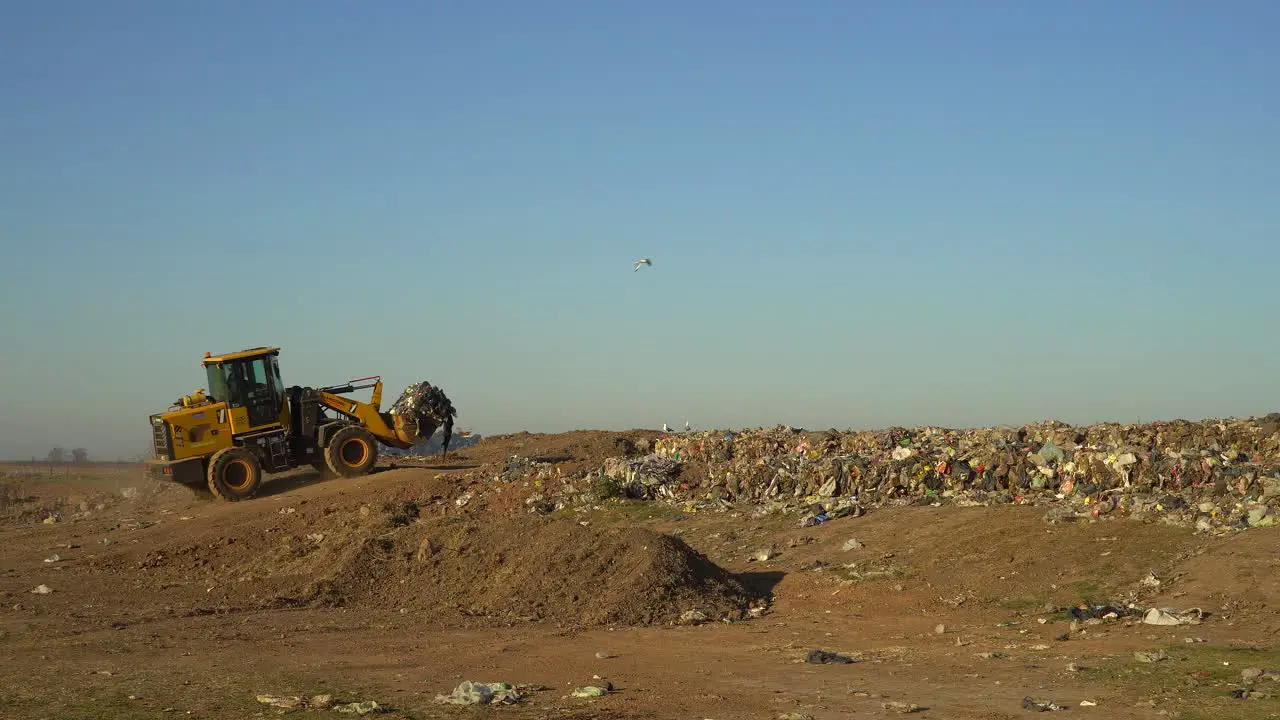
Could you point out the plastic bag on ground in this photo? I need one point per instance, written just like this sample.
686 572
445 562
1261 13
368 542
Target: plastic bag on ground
1168 616
477 693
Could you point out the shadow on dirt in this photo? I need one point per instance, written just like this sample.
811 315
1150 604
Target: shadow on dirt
281 485
401 466
761 584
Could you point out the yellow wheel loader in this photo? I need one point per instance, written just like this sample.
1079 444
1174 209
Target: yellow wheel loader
248 423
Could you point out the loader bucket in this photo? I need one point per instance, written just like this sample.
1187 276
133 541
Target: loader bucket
411 431
421 410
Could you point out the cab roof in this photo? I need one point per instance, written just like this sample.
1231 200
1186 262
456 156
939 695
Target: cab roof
250 353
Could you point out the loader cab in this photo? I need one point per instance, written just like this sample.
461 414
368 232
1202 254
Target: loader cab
249 383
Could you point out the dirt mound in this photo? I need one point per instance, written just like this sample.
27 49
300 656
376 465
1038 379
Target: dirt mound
535 570
397 555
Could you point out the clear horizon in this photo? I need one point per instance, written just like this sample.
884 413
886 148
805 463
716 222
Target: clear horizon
859 215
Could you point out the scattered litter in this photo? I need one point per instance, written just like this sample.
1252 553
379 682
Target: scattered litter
901 707
605 655
359 708
41 590
53 558
852 544
794 716
822 657
693 617
1151 657
1088 703
590 691
1030 703
1103 612
763 555
278 701
940 629
294 702
1168 616
477 693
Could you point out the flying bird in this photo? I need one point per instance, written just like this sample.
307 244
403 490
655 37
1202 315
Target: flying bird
642 261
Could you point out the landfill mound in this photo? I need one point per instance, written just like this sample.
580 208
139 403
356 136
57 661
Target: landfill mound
535 569
1215 475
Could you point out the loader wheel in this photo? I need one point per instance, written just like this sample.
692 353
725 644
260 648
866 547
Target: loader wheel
352 452
234 474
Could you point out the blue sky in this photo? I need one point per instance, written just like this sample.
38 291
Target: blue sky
860 214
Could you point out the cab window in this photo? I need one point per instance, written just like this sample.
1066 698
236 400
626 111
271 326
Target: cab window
276 382
217 383
260 371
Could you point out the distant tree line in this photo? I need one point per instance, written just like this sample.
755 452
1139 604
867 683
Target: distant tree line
60 455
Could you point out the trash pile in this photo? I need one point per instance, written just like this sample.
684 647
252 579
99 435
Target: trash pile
427 408
1215 475
1098 614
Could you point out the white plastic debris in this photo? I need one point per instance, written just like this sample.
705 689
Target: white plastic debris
478 693
1168 616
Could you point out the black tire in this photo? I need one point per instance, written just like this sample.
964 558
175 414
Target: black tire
351 452
234 474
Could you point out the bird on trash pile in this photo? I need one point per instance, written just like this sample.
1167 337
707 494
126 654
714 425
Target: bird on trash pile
642 261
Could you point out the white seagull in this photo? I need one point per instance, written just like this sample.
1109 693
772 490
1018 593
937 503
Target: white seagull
642 261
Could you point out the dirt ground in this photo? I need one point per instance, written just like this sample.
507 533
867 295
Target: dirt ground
398 586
